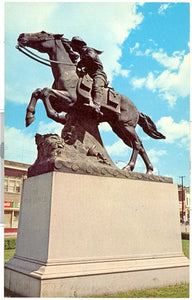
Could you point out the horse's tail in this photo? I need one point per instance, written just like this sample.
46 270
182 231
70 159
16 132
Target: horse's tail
149 127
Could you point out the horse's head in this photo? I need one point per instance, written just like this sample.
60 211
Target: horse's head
41 41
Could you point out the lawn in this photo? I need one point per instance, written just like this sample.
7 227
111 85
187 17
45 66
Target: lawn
176 291
8 254
185 245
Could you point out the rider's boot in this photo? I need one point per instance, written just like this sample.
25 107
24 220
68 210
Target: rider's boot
95 103
95 107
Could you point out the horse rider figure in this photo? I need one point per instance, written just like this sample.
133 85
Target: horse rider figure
90 63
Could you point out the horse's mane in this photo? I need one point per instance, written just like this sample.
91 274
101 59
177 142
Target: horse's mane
73 56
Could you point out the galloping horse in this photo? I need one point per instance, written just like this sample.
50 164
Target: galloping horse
63 96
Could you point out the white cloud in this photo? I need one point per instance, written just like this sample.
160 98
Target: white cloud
105 127
169 84
119 71
134 48
118 148
154 155
52 127
172 62
24 16
138 82
121 149
104 26
163 8
138 52
116 22
19 146
175 132
20 93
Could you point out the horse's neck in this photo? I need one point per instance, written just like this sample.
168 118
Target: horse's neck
64 73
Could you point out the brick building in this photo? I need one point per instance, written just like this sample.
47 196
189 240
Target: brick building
184 204
14 173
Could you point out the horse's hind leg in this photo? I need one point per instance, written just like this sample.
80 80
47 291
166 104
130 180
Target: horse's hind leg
128 134
131 164
31 107
146 160
139 149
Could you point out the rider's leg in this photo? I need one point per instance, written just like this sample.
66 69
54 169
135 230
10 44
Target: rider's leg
97 92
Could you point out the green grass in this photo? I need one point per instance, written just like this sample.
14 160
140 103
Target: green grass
185 245
176 291
8 254
10 243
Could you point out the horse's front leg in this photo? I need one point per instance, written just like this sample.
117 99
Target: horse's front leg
31 107
51 113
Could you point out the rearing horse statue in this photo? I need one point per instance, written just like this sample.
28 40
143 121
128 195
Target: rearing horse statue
69 93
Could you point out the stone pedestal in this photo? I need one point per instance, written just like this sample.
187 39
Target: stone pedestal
82 235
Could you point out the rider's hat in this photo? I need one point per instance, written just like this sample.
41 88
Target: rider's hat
76 40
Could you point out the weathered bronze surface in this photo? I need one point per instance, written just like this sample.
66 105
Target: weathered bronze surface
77 151
80 148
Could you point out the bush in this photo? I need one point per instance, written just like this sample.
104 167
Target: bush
185 235
9 243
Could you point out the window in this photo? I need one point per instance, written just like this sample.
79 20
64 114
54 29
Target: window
12 185
7 219
15 219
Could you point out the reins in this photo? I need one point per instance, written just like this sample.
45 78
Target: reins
19 48
39 58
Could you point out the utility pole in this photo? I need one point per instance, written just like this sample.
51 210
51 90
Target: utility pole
182 197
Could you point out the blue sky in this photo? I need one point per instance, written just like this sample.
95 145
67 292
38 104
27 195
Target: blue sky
146 58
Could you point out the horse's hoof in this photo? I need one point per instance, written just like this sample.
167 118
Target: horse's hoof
127 168
149 172
29 121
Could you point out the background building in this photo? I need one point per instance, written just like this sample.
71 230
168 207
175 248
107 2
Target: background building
184 204
14 173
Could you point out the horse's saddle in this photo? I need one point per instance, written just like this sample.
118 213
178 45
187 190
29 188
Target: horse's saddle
110 100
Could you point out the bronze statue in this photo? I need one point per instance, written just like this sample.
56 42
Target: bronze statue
71 93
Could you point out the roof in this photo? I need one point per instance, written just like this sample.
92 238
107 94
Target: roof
16 165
